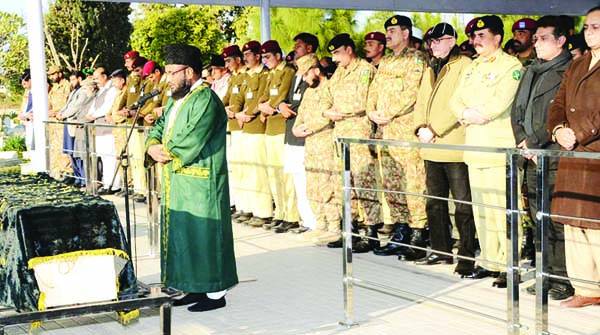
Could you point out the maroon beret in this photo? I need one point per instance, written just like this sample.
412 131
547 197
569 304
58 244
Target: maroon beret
131 54
470 26
231 51
375 36
253 46
525 24
270 46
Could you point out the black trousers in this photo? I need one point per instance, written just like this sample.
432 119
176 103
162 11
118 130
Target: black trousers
443 178
556 232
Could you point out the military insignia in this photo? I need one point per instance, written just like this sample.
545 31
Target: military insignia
570 46
371 35
331 48
480 24
490 76
394 20
364 77
516 75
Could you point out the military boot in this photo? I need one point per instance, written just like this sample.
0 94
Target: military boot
419 238
401 234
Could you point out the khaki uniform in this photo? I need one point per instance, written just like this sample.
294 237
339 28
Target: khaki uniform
57 99
281 184
347 92
253 154
320 161
394 92
233 100
489 84
155 102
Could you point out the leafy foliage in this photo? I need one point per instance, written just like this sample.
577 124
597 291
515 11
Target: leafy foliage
15 143
105 25
14 56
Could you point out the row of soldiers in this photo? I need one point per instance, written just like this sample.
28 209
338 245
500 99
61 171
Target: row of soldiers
284 119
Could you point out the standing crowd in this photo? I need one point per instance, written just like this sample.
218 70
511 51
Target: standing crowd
541 91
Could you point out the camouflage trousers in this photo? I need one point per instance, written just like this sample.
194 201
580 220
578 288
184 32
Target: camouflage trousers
404 170
322 180
361 162
60 162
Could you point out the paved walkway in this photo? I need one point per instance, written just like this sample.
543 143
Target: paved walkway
290 287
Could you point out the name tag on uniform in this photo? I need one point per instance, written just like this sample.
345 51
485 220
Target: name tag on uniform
297 97
132 89
249 95
235 90
274 92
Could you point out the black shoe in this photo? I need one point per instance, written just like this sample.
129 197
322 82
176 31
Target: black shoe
285 226
418 239
401 234
104 191
244 217
435 259
501 281
273 224
189 298
480 273
139 198
464 267
207 304
361 246
372 232
69 180
530 289
560 291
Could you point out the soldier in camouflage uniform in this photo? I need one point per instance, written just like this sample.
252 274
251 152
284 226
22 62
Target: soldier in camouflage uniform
281 184
57 99
254 156
392 97
320 161
345 102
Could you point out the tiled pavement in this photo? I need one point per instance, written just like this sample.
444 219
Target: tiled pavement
290 287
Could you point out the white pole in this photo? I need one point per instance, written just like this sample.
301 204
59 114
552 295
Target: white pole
39 85
265 20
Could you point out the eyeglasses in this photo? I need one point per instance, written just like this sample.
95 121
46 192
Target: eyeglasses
438 40
174 72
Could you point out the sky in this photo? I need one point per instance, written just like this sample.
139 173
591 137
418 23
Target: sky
18 7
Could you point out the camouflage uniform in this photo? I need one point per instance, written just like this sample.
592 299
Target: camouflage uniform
282 188
320 161
57 99
394 92
347 92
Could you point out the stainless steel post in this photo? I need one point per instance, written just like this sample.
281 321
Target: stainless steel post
513 244
87 163
93 158
541 246
347 241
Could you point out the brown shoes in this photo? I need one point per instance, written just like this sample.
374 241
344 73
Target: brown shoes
578 301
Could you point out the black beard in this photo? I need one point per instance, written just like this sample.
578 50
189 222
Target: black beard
181 92
520 47
315 83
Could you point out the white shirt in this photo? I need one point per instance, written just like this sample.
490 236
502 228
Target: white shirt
102 110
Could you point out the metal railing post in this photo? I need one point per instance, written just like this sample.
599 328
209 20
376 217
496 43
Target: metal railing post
541 246
47 146
93 158
87 163
347 240
513 244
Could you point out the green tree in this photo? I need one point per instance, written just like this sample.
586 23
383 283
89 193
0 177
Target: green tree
105 25
159 25
14 57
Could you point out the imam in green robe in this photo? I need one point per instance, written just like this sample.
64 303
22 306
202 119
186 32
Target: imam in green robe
196 238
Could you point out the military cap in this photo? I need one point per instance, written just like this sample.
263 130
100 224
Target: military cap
308 39
576 42
270 46
148 68
118 73
253 46
26 75
467 47
442 29
340 40
183 54
491 22
525 24
139 62
290 57
470 25
232 51
217 61
131 54
375 36
427 34
398 20
53 69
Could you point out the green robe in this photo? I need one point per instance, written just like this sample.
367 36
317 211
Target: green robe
196 242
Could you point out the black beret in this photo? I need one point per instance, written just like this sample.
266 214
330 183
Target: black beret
491 22
576 42
442 29
184 54
119 73
340 40
308 39
26 75
217 60
398 20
